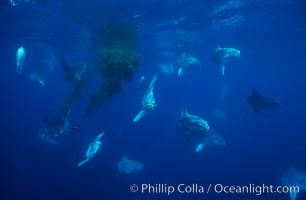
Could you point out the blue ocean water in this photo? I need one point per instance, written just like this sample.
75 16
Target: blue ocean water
259 148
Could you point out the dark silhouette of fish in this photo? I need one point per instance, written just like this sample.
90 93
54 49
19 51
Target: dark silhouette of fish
259 102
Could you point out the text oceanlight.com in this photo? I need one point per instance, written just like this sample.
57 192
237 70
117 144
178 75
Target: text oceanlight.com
196 188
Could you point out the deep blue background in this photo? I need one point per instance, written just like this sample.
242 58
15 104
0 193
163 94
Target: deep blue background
272 40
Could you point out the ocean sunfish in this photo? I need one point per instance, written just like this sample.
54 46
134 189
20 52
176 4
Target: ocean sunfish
187 61
259 102
192 126
92 149
129 166
148 101
223 56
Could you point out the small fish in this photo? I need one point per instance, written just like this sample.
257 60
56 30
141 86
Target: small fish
20 58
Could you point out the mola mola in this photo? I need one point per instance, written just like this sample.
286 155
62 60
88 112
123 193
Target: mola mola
224 56
192 126
148 101
296 180
259 102
129 166
187 61
92 149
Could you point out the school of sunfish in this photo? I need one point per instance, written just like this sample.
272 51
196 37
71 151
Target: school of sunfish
193 128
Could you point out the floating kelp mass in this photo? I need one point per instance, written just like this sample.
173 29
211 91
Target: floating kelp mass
117 61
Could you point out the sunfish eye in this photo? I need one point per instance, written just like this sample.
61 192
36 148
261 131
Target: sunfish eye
150 105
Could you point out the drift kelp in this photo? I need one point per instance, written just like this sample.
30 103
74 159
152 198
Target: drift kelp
117 61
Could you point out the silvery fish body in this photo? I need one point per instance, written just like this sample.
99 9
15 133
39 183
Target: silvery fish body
224 56
20 58
187 61
192 126
148 101
129 166
92 149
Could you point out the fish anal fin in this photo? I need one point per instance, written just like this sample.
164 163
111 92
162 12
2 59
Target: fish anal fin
200 147
152 83
139 115
180 71
83 162
256 93
222 68
184 112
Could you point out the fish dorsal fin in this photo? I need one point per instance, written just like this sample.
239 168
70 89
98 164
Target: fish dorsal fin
256 93
139 115
222 68
184 112
152 84
124 158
